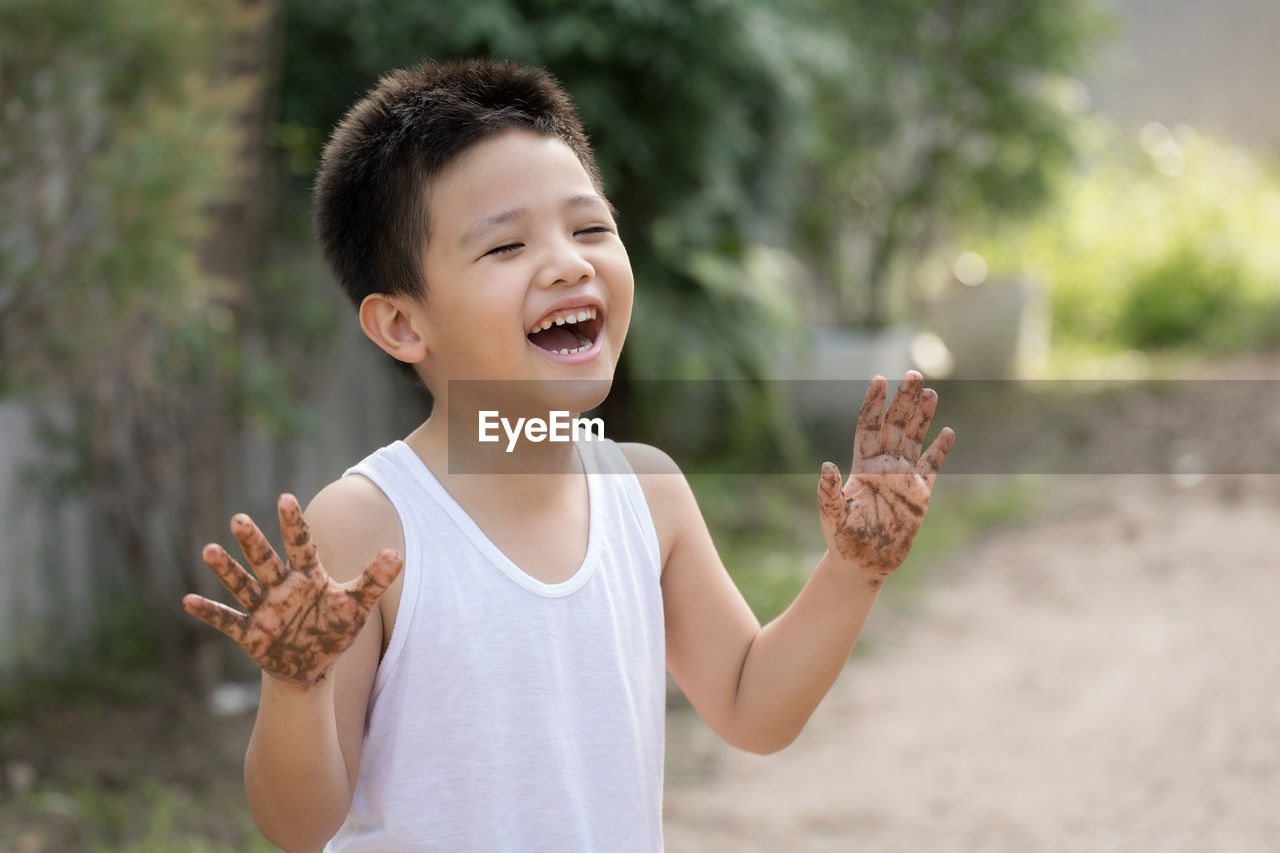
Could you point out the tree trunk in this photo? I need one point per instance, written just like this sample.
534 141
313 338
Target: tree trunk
234 252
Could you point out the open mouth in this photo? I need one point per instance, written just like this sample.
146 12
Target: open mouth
567 331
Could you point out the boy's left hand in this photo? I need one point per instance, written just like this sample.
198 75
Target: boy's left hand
872 521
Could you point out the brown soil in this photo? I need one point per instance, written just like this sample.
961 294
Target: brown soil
1106 677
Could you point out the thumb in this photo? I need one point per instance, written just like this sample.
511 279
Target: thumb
378 575
830 497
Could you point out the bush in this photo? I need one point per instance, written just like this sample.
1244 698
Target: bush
1170 243
1183 299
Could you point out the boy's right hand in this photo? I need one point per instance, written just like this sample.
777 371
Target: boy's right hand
299 619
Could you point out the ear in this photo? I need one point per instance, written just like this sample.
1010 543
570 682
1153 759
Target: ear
392 323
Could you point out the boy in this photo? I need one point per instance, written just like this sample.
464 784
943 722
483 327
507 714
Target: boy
506 690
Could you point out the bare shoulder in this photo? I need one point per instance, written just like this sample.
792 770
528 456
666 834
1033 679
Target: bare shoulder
671 501
351 520
645 459
659 475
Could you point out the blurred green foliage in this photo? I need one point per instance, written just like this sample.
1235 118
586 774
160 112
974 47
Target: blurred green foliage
128 137
1164 241
917 116
1183 298
733 136
140 814
113 153
128 155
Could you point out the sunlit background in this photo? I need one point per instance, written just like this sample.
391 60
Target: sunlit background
827 189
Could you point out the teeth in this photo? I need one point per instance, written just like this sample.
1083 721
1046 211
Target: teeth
586 345
570 319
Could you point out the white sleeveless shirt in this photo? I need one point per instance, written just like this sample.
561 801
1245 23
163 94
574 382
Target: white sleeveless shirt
510 714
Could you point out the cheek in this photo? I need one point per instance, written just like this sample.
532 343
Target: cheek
623 290
619 322
624 316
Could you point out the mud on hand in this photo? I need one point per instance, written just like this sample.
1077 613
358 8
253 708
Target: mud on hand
872 519
297 619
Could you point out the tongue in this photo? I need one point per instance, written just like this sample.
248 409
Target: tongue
555 338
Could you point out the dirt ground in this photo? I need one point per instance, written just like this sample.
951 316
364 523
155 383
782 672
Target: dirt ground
1103 677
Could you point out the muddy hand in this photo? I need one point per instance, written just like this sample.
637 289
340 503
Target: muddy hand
298 620
872 519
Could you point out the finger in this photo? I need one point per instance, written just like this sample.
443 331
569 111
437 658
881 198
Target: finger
377 576
866 442
298 544
931 461
918 426
257 550
247 589
230 622
830 493
893 433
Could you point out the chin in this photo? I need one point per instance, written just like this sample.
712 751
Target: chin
593 394
539 392
576 394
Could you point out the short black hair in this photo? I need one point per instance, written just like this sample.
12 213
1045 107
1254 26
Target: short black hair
371 190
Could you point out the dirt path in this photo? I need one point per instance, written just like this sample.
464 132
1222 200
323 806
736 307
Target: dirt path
1104 678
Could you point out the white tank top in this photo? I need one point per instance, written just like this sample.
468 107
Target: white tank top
510 714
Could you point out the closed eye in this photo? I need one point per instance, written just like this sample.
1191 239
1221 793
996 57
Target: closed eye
511 247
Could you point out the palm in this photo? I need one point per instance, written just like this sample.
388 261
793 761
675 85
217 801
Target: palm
872 519
298 620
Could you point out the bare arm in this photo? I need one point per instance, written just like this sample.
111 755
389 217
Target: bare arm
757 687
317 637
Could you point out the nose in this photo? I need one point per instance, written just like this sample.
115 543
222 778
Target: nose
565 264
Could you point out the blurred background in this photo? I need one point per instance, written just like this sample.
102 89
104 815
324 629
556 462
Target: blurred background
824 189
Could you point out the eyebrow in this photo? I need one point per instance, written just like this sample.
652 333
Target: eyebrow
480 226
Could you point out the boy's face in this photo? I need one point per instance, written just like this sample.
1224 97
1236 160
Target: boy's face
521 239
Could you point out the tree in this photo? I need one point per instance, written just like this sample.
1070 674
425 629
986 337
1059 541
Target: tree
127 188
925 114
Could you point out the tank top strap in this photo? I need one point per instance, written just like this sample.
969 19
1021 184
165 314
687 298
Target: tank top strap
615 480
